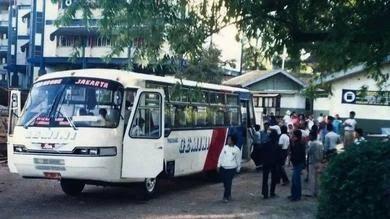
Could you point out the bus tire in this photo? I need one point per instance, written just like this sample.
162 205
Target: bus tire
72 187
149 188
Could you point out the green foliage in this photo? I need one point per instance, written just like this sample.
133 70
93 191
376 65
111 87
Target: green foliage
338 34
253 57
314 90
356 183
205 67
157 35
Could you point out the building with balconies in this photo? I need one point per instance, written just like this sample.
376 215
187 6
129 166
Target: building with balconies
37 46
4 17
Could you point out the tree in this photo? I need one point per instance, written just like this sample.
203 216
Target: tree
339 34
206 67
253 56
159 34
356 183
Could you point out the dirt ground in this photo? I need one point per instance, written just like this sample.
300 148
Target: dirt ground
186 197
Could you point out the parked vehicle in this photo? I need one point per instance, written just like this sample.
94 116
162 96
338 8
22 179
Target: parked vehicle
102 126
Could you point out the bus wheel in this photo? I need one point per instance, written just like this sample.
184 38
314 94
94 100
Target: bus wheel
150 188
72 187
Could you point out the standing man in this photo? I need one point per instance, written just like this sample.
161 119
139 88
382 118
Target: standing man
229 163
298 150
287 117
337 124
331 140
349 128
284 143
271 156
315 158
257 147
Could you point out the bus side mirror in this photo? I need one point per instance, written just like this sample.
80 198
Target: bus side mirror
167 132
14 101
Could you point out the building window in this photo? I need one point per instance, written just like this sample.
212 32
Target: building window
268 102
75 41
256 101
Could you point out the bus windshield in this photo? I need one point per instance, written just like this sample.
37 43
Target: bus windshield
76 102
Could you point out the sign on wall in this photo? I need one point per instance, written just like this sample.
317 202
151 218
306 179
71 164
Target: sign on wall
365 97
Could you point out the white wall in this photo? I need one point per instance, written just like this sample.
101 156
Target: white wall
22 25
295 101
334 105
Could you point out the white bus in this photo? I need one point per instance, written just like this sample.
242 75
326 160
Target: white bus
104 126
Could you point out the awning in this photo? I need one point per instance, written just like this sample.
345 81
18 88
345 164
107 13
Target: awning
24 46
74 31
26 16
265 95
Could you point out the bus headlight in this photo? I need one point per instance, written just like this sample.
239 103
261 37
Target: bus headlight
19 148
93 151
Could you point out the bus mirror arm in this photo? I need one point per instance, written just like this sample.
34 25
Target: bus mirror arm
167 132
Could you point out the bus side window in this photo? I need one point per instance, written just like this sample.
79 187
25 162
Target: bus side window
147 120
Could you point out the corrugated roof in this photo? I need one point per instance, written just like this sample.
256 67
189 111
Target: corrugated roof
252 77
347 72
244 78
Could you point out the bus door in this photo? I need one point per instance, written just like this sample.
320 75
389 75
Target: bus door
143 143
14 110
247 115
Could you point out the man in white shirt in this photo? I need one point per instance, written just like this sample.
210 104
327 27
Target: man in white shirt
284 143
331 141
349 128
229 163
287 117
320 118
276 128
137 130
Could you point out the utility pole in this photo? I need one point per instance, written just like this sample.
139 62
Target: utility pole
284 56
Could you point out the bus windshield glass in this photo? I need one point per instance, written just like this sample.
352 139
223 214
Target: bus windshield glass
76 102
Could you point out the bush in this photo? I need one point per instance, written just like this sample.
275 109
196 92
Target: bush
356 183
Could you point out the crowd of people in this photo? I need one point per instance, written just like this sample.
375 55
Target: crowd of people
298 140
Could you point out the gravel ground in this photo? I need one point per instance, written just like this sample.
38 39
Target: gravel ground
186 197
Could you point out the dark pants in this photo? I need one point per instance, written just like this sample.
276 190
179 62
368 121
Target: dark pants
330 153
256 154
274 179
283 173
227 179
296 189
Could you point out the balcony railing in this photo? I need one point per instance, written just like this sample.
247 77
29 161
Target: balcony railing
3 23
3 48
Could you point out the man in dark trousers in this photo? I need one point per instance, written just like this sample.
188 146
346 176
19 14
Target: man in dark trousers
298 160
257 147
270 154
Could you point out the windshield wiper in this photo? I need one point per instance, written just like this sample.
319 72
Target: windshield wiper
27 124
71 123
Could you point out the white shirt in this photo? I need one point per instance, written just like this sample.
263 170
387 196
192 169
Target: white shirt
276 128
352 123
331 140
284 140
136 131
286 119
230 158
305 133
320 119
310 123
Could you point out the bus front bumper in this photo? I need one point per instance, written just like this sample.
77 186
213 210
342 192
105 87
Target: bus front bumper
73 167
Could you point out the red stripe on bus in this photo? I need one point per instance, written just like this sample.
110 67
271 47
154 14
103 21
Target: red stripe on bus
217 142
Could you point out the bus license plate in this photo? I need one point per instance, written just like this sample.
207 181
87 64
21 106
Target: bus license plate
52 175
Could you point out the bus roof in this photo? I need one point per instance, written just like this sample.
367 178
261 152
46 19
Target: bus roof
127 78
